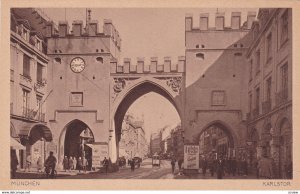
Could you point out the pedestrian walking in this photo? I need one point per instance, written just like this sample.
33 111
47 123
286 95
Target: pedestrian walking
105 164
212 167
204 166
13 163
84 164
39 164
233 166
265 167
173 162
65 163
71 164
180 161
79 164
132 165
74 163
220 168
50 163
28 163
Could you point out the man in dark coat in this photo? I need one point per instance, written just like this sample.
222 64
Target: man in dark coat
173 162
132 165
13 163
204 166
220 168
105 164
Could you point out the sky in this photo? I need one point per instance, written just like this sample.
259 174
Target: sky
147 32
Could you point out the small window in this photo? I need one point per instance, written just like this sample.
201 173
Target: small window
57 60
99 59
197 46
218 98
200 55
237 54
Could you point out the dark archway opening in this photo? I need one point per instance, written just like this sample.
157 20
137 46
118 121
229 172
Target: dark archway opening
78 136
216 141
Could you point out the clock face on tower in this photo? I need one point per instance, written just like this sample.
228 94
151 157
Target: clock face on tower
77 65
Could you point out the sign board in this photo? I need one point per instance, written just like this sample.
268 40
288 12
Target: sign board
191 156
99 152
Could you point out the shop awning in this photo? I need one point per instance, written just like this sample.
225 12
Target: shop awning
25 131
14 144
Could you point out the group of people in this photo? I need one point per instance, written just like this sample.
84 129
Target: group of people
72 163
173 164
224 166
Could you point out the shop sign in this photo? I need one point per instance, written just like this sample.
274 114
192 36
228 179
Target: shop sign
99 152
191 156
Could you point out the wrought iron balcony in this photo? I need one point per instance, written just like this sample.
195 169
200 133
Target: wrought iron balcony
28 113
281 96
266 106
26 80
256 112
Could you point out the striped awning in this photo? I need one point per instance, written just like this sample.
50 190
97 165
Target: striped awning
46 132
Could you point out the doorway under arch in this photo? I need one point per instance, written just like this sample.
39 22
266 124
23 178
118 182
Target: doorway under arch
285 149
216 140
74 139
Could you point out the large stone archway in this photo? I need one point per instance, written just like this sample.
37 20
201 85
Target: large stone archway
133 89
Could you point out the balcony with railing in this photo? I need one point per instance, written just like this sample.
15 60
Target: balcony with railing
281 96
39 86
25 80
255 112
33 115
266 106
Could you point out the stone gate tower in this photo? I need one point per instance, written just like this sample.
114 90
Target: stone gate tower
78 76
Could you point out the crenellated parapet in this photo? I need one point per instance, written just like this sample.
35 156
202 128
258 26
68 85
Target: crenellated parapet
140 67
78 30
219 18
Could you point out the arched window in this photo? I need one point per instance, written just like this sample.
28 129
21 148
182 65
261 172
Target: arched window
200 56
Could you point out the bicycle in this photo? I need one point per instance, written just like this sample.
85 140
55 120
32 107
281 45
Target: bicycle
48 170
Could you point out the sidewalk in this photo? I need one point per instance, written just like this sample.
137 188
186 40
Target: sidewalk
21 174
208 176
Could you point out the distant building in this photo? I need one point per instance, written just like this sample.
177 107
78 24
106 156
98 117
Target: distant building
155 143
133 141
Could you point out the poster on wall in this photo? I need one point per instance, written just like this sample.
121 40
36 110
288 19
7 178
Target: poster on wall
191 157
99 151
